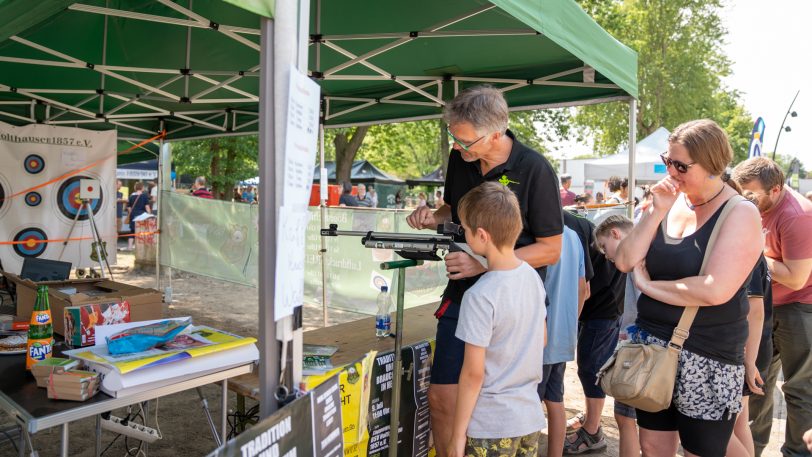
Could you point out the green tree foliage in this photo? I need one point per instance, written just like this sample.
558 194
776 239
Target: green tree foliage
223 161
413 149
680 69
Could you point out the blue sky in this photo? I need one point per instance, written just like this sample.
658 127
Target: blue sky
770 44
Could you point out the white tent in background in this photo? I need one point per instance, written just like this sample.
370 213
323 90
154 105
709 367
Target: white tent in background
649 166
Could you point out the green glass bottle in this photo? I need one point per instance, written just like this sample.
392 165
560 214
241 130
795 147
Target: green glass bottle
40 330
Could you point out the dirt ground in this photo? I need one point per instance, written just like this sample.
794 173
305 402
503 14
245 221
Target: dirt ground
233 308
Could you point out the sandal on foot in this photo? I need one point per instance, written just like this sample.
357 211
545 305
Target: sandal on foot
584 442
576 422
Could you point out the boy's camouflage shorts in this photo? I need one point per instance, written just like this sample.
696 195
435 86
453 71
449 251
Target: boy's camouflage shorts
522 446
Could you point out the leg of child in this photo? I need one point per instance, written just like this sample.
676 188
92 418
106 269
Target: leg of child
741 443
627 429
556 428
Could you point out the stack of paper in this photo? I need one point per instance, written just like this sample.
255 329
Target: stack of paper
317 359
43 369
76 385
198 351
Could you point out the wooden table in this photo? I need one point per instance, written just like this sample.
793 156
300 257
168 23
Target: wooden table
354 339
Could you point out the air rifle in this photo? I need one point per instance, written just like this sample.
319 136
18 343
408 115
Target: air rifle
414 246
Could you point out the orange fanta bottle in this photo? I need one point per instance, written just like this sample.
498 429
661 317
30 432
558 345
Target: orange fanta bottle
40 330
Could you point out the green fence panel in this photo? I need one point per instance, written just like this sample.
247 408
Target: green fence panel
219 239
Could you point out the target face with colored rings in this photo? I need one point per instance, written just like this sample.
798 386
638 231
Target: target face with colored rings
69 202
33 199
34 164
31 242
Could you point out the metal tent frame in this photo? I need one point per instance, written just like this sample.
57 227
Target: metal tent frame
194 103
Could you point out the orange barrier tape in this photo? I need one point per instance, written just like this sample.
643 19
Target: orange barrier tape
77 171
32 243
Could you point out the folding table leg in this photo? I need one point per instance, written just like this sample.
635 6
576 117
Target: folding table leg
98 435
65 440
21 447
224 416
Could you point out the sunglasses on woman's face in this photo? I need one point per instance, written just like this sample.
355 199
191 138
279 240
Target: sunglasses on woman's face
681 167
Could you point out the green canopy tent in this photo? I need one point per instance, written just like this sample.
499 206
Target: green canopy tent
138 66
208 68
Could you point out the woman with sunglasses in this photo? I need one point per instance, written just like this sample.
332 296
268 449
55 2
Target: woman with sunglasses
665 250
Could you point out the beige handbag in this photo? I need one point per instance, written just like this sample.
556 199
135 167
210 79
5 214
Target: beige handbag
643 375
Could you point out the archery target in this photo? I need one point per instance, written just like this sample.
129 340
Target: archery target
30 242
69 203
33 199
5 192
34 164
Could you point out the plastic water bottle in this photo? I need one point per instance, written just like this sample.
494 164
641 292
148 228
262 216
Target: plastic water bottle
383 321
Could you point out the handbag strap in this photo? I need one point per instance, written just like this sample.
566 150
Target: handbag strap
681 331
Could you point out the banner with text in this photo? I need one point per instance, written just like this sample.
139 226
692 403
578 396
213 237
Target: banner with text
41 169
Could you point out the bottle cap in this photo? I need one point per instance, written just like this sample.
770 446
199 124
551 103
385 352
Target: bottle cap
384 288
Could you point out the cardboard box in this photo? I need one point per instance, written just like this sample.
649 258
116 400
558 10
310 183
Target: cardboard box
145 304
81 321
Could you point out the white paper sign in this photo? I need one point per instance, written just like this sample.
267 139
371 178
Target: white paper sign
73 159
290 260
301 139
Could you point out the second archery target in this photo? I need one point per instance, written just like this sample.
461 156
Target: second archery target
34 164
69 202
29 242
33 199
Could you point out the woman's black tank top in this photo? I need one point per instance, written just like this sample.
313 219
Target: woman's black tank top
718 332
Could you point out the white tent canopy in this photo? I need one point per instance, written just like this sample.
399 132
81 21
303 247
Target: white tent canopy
648 165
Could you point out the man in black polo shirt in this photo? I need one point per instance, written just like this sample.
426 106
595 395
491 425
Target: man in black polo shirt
484 150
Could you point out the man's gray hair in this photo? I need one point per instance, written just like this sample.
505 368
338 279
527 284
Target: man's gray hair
200 181
484 107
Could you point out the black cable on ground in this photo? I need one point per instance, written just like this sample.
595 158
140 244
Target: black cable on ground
11 440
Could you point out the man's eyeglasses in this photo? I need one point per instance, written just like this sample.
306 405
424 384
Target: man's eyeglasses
681 167
462 144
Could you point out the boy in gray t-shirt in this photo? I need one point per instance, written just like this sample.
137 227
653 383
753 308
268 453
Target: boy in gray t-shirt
502 322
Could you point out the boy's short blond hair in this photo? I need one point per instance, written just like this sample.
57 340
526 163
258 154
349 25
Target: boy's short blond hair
495 209
615 221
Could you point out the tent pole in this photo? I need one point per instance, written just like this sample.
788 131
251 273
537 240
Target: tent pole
164 183
158 219
322 222
268 345
322 185
632 153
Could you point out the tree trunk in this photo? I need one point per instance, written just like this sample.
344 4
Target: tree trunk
346 149
214 166
231 159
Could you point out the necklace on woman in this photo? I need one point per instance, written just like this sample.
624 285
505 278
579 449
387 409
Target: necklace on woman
692 207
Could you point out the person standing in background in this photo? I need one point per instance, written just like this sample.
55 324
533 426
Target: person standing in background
199 188
567 196
421 199
120 202
347 198
364 199
620 190
153 196
786 218
373 195
438 199
139 204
